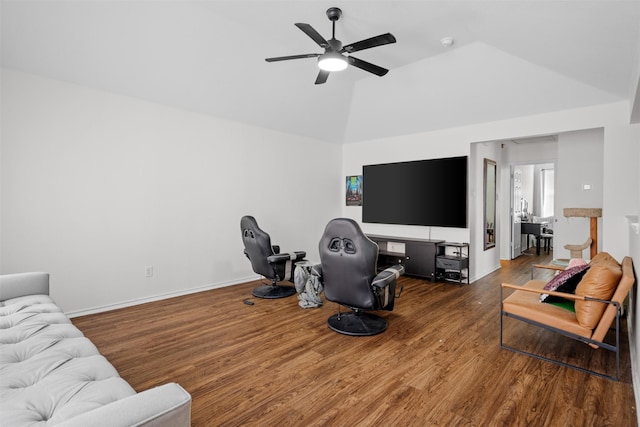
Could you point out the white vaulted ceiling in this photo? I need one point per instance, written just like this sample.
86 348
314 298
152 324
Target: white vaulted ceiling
510 58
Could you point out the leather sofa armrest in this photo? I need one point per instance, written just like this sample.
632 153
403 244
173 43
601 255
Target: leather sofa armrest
549 267
543 291
22 284
293 256
387 276
546 267
168 405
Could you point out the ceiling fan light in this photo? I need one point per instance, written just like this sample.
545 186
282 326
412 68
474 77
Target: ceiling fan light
332 61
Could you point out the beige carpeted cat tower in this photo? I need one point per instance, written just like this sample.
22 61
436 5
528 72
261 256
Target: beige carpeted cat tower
593 214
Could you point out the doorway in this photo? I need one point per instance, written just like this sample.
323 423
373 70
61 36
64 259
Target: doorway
531 202
530 191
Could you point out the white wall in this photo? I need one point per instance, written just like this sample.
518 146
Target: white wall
456 141
96 186
621 190
414 147
633 144
580 162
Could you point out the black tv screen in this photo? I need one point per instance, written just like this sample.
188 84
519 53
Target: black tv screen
424 192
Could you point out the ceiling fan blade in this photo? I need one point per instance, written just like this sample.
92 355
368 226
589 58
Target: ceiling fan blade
367 66
369 43
322 77
286 58
315 36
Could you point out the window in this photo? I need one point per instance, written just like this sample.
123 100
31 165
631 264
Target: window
548 185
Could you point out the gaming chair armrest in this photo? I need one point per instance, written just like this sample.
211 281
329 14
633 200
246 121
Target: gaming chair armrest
387 276
293 256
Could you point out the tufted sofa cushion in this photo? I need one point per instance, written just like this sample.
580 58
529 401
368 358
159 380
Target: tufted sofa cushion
49 371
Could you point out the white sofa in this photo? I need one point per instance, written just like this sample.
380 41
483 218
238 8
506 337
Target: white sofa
51 374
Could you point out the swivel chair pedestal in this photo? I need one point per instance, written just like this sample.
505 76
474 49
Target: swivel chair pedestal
273 291
357 323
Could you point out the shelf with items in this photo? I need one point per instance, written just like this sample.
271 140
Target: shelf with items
416 255
388 259
452 262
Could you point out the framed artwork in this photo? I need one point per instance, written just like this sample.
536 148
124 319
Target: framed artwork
354 190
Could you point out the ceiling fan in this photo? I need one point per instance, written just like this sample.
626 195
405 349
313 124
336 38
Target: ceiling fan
336 57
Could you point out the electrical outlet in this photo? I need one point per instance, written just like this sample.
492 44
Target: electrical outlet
148 271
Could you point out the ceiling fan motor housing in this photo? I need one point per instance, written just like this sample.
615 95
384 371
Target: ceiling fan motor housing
334 13
334 44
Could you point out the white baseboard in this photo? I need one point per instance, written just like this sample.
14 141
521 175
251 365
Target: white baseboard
481 275
138 301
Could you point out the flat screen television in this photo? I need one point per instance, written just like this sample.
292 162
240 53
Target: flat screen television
423 192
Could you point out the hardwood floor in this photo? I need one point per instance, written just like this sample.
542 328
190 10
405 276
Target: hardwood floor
438 364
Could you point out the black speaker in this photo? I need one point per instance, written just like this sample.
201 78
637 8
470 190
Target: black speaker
452 275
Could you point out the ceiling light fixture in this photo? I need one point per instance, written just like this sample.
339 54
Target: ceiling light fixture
332 61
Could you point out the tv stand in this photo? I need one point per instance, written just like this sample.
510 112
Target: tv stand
418 256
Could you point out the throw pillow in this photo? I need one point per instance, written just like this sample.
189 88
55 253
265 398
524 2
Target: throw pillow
573 262
565 281
565 304
604 258
600 282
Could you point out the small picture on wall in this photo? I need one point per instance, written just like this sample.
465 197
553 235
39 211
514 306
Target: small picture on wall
354 190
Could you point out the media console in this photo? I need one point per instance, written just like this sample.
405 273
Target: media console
418 256
425 258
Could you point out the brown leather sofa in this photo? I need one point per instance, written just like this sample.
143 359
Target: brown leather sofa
597 302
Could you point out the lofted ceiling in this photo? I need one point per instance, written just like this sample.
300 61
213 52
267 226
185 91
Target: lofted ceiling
509 59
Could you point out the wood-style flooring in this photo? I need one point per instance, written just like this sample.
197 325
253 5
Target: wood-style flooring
438 364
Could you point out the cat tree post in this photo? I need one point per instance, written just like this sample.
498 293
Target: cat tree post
593 214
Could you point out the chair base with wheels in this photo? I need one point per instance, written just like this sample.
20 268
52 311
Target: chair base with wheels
357 323
273 291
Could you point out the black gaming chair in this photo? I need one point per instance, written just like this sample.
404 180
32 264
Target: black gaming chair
267 260
349 276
